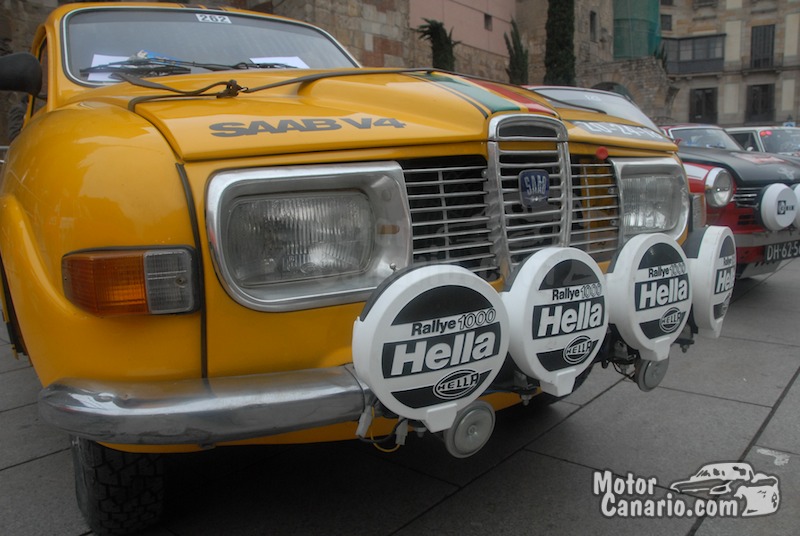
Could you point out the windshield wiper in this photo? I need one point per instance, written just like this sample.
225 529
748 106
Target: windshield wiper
242 65
138 67
261 65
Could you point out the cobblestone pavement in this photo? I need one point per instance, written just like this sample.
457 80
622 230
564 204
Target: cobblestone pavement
736 398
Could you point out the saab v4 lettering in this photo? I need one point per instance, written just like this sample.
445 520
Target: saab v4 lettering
313 124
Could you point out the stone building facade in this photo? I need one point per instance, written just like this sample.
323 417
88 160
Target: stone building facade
733 62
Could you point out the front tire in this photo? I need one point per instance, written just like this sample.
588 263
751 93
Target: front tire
117 492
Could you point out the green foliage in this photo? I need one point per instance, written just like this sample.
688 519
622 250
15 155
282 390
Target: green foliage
442 44
559 55
517 56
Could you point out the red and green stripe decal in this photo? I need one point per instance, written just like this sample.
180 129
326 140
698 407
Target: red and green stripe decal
488 97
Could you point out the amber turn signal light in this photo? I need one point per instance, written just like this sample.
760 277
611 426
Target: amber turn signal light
130 282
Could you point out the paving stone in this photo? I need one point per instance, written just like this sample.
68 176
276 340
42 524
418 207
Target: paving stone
515 427
783 431
326 489
9 362
26 437
38 497
748 371
763 323
664 433
534 494
780 291
18 387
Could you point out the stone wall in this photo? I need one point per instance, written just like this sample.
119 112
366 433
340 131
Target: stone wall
644 78
18 22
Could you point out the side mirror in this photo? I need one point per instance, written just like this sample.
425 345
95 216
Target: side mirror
20 72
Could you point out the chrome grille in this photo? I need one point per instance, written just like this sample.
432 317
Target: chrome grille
595 208
746 197
530 144
448 200
469 212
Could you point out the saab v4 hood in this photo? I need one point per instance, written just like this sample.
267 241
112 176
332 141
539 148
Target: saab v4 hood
343 110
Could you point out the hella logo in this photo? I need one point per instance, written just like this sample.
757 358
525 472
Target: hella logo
578 350
671 320
457 384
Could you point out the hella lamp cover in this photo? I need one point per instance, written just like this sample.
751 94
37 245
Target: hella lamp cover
652 292
711 255
558 316
430 341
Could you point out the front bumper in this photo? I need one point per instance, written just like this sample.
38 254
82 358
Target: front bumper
429 342
765 238
204 411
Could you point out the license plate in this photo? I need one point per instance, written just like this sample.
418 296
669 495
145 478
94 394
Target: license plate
784 250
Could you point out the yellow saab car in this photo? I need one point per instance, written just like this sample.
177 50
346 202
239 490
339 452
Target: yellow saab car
218 229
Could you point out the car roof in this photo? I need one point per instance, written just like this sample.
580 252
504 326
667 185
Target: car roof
759 129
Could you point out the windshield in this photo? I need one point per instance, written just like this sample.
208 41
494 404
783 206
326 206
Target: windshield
705 137
610 103
781 141
98 37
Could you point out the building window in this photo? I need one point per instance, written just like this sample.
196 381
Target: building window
487 22
593 26
703 105
666 2
762 46
666 23
760 104
695 54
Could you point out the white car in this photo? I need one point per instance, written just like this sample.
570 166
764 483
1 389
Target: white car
780 140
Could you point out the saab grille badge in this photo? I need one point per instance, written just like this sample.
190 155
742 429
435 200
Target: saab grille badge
534 187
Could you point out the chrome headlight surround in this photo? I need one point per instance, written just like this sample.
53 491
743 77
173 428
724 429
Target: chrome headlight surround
312 236
719 187
654 196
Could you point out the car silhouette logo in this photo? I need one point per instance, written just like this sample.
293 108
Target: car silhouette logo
760 492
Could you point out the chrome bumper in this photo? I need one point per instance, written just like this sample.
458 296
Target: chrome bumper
765 238
203 412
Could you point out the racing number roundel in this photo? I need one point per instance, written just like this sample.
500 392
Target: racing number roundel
558 316
430 341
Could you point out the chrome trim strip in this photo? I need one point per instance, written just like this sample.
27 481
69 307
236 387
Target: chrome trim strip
204 412
383 184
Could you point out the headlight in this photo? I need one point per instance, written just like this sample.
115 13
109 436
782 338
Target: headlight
289 238
282 238
654 195
719 187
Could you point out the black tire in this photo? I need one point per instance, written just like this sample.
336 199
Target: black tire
117 492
